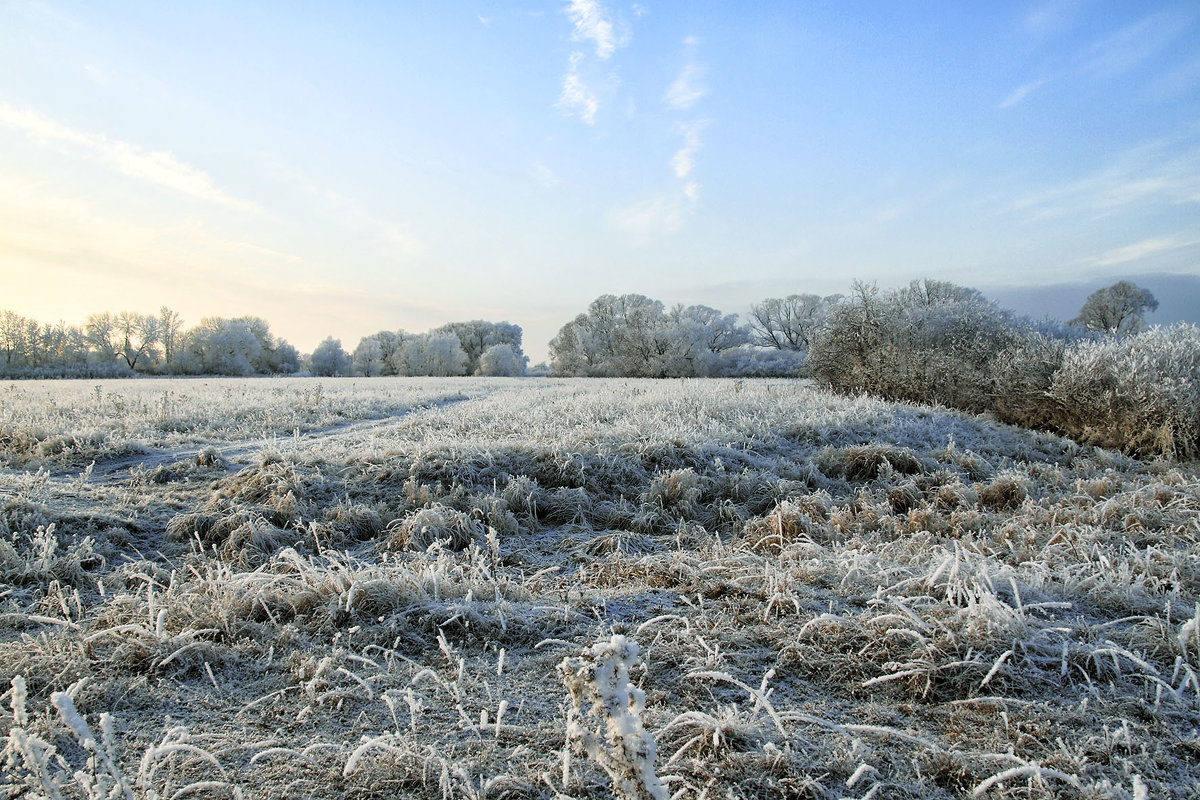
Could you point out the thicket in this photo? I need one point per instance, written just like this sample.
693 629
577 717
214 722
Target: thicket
934 342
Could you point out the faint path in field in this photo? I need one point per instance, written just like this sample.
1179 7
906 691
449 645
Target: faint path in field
118 468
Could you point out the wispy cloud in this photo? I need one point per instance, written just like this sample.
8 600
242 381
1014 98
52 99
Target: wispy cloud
1049 18
688 87
1142 249
1177 82
593 23
358 218
1161 173
577 99
659 215
1021 92
152 166
684 159
683 93
1134 44
544 176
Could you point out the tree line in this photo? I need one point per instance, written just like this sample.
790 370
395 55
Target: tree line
1100 378
112 345
619 335
126 343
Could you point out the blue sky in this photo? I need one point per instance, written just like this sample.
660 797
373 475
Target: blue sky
342 168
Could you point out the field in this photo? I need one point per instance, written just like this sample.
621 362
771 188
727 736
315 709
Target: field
491 588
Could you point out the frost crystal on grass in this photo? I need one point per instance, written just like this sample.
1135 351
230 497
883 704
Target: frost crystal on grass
599 684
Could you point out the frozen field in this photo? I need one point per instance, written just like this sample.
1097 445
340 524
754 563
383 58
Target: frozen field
433 588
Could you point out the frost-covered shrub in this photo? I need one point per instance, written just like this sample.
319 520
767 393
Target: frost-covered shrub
1140 393
1006 491
360 521
799 519
40 557
748 361
633 335
1022 375
930 342
868 461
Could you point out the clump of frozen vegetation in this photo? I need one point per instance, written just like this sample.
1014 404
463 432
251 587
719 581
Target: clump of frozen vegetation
601 691
833 596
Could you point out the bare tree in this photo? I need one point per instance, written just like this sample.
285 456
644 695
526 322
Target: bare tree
99 331
1118 309
14 343
786 323
136 338
170 324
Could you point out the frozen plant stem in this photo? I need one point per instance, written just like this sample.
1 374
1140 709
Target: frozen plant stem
598 680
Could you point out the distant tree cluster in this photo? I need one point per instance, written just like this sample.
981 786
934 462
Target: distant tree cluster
633 335
113 345
476 347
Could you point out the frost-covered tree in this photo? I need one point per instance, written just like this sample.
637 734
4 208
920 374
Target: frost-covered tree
929 293
100 330
574 349
476 336
379 353
283 358
242 346
1119 309
501 360
619 335
328 359
718 332
60 346
16 346
786 323
137 338
632 335
748 361
29 347
438 356
170 327
367 359
691 340
127 336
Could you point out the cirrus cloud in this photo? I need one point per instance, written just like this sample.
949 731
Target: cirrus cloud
152 166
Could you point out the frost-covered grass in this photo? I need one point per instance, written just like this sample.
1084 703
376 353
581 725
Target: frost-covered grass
545 589
69 423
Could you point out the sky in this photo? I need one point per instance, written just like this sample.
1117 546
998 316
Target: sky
344 168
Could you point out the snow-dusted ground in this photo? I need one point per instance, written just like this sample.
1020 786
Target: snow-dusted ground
410 587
